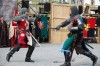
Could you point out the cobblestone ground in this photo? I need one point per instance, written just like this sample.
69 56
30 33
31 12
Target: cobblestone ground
47 55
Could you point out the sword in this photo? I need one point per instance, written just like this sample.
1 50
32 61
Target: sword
63 30
89 45
35 39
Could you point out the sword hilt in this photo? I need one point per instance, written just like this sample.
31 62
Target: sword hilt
53 28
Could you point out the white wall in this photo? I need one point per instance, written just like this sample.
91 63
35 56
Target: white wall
97 2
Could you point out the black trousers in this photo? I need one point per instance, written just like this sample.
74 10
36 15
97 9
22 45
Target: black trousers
29 52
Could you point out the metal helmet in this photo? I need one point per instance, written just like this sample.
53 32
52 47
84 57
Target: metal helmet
74 11
23 10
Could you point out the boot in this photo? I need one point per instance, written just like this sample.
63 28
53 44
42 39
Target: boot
29 53
28 60
94 60
90 55
66 64
67 60
9 55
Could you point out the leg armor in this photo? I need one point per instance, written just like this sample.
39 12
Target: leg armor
29 53
9 55
67 59
91 56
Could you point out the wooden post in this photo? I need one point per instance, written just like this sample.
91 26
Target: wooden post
98 37
59 13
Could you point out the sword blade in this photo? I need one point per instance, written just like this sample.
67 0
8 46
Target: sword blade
35 39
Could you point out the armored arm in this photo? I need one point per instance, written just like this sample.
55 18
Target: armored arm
80 25
63 24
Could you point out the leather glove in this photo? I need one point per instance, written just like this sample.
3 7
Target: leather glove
58 27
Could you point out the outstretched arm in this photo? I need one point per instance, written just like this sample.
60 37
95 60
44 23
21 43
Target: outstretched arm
63 24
